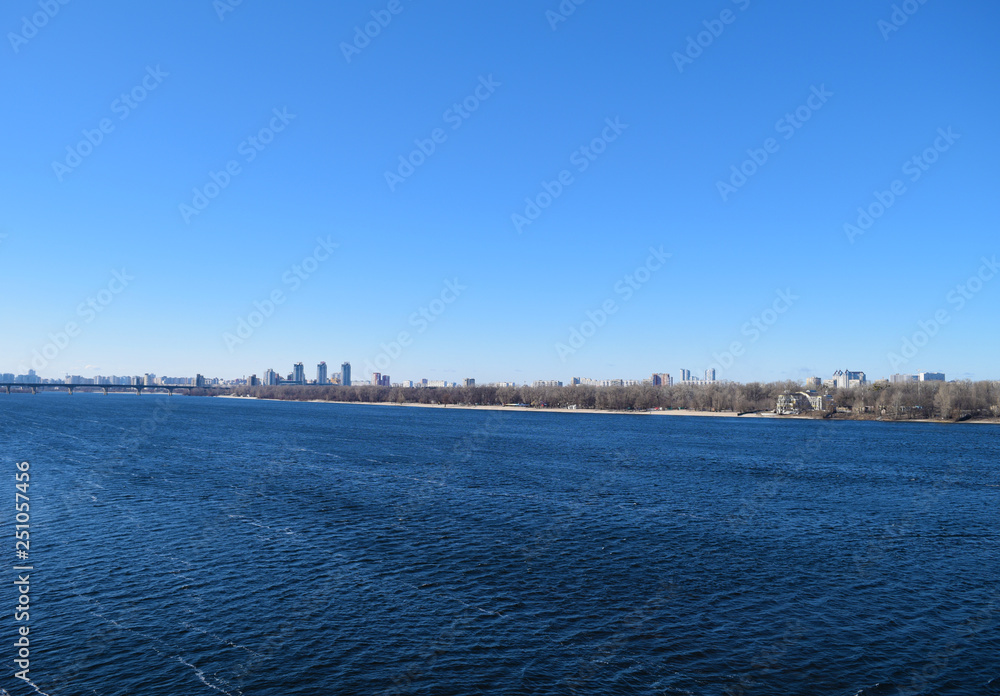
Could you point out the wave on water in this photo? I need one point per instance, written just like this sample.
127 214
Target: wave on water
881 689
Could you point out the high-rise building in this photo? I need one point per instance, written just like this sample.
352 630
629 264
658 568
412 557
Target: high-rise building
814 382
902 379
270 378
251 381
321 373
690 381
345 374
662 379
931 377
376 379
468 382
847 379
199 381
299 373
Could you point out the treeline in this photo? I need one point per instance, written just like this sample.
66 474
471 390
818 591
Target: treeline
953 400
718 397
940 400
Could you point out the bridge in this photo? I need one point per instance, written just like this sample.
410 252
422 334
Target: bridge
106 388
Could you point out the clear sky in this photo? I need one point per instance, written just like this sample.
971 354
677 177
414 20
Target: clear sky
621 121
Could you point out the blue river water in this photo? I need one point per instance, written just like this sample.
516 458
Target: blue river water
186 546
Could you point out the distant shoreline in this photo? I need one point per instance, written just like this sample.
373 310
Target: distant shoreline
672 412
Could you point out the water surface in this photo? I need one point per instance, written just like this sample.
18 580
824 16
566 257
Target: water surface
196 546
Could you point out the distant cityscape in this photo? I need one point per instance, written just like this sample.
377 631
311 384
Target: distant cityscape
812 400
841 379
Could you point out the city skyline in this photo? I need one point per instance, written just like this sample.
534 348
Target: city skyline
840 379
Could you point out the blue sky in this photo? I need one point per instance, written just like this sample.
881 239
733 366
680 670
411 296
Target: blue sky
766 263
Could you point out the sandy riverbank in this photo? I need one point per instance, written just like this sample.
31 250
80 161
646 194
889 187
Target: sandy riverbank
453 407
674 412
530 409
